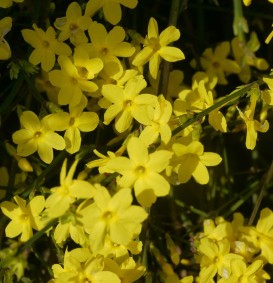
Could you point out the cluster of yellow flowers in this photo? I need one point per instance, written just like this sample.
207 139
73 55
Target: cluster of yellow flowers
95 79
233 251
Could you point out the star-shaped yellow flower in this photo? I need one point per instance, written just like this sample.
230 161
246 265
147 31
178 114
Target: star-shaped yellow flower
190 160
155 48
81 266
24 217
108 46
73 25
114 216
73 123
141 171
67 192
217 63
71 82
252 125
128 103
36 136
46 47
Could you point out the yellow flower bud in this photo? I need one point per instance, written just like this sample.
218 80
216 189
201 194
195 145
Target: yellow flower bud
25 165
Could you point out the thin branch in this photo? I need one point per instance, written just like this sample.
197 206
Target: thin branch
264 185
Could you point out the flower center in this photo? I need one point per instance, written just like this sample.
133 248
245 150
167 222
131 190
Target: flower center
82 72
37 135
45 43
73 27
216 65
104 51
107 216
72 121
128 103
24 217
140 170
153 43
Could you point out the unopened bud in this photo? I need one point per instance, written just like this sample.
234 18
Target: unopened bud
25 165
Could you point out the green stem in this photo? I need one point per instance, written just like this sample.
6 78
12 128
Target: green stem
240 26
36 236
233 96
264 185
12 94
47 170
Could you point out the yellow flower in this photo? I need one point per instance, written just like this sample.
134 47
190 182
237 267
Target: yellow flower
190 100
252 125
68 192
128 104
111 8
114 216
70 225
187 279
73 25
8 3
87 68
244 55
46 47
155 48
117 251
5 27
247 2
71 82
267 94
108 47
101 163
120 79
198 99
80 266
191 160
36 136
24 217
216 119
241 272
159 123
142 171
215 258
216 62
263 235
74 122
128 270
